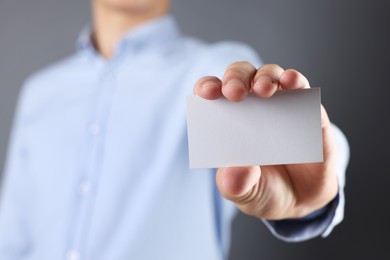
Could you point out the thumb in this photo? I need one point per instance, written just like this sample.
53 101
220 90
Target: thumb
238 184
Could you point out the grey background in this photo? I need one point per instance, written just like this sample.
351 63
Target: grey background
341 46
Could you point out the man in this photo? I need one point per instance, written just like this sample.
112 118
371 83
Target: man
98 162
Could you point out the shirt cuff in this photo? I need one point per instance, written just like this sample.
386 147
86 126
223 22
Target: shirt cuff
301 229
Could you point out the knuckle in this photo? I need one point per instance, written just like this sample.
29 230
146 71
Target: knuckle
271 68
246 65
239 69
241 65
232 73
273 71
275 67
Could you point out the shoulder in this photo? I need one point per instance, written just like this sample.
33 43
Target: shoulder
51 72
43 84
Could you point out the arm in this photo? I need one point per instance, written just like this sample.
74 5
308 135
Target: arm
275 193
322 221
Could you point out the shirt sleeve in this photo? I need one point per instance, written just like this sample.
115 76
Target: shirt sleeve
318 223
322 221
13 238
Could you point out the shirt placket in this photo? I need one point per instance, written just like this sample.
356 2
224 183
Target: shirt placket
90 163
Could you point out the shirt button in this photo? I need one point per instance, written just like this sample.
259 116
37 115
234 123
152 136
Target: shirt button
94 129
85 188
73 255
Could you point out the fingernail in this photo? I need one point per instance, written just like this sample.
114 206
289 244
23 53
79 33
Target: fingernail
264 80
265 83
235 83
208 84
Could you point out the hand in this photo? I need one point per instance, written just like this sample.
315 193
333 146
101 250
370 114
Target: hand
278 191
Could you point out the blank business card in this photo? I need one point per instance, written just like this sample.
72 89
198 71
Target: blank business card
284 129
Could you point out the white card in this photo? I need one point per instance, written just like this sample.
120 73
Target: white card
284 129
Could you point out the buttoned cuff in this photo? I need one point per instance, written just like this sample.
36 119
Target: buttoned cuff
310 226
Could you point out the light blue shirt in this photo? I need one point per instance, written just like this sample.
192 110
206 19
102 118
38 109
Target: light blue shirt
98 161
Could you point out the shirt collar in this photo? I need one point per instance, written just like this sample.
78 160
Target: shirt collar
152 34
